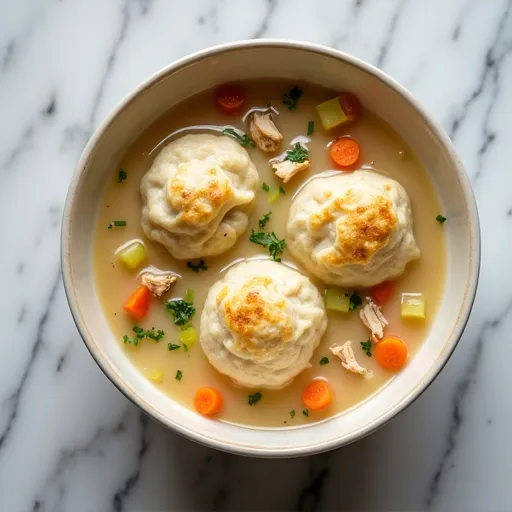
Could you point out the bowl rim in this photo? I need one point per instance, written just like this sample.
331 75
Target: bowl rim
459 325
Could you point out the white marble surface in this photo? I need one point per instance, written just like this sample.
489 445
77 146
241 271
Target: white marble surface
69 441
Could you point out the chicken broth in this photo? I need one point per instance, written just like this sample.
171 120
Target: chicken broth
180 373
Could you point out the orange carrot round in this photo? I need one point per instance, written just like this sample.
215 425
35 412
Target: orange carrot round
383 292
350 105
138 303
208 401
317 395
230 98
345 152
391 353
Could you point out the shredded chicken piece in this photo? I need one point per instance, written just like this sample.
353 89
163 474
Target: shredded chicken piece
158 284
348 360
286 170
264 132
372 317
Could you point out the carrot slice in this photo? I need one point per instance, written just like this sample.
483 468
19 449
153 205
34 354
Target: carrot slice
208 401
138 303
317 395
350 105
345 152
383 292
391 353
230 98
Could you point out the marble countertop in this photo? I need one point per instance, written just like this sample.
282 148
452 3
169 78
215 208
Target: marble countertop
69 441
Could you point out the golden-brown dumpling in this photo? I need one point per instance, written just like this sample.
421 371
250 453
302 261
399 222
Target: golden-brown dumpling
197 195
352 229
261 323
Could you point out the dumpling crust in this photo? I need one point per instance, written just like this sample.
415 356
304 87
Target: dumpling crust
261 323
352 229
197 195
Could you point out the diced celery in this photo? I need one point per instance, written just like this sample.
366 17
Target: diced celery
273 194
336 300
189 336
132 255
189 295
156 375
413 305
331 114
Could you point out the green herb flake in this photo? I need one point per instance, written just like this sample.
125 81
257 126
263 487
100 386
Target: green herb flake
297 154
196 268
185 347
263 221
181 310
292 413
441 219
121 175
275 245
130 341
172 346
244 140
366 346
311 127
355 301
324 360
259 238
291 97
117 224
155 335
305 412
265 187
179 375
254 399
282 190
141 334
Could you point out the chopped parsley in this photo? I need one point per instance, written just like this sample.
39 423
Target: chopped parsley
355 301
172 346
263 221
311 127
196 268
292 413
282 190
141 333
244 140
305 412
121 175
265 187
275 245
117 224
254 399
130 341
441 219
324 360
181 310
259 238
179 375
185 347
157 336
291 97
297 154
367 347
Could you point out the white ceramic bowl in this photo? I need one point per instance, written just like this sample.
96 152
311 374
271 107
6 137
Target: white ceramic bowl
292 60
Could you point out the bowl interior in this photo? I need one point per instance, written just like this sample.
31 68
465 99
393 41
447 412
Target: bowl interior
294 61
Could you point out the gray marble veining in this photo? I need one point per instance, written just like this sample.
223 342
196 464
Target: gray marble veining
69 441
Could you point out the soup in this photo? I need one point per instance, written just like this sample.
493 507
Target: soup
176 361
